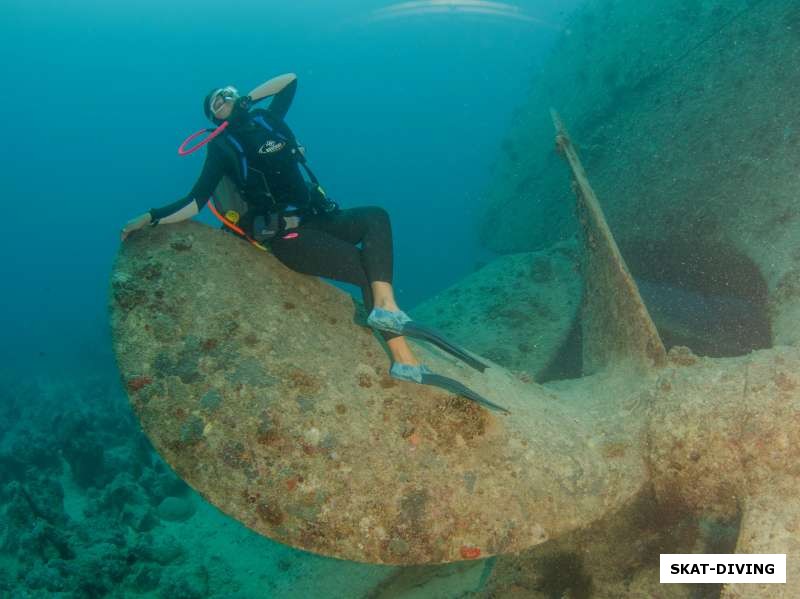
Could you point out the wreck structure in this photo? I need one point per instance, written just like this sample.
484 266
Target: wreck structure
635 428
257 387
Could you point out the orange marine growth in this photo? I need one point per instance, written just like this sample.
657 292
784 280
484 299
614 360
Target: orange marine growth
468 552
137 382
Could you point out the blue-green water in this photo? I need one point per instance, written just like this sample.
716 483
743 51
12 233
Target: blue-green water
407 113
403 110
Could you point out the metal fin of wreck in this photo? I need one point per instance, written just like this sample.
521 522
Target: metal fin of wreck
256 386
616 326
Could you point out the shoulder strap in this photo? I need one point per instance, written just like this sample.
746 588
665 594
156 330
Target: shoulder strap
234 144
270 123
234 154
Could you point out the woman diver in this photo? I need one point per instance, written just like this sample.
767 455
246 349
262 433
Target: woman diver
291 215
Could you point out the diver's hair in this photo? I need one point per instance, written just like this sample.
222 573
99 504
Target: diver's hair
207 107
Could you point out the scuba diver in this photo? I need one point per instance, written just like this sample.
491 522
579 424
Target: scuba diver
255 156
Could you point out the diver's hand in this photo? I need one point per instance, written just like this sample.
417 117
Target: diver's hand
271 87
245 102
135 224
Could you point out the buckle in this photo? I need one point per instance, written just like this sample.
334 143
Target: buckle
291 222
264 230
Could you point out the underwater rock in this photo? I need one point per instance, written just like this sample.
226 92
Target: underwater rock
31 448
7 580
11 469
45 496
122 491
126 502
104 529
85 456
125 458
175 509
100 567
45 542
161 549
140 518
180 584
160 482
144 578
34 522
47 577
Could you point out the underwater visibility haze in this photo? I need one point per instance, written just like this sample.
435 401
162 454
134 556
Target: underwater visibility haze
571 346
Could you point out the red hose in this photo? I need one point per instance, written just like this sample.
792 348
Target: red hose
182 149
232 226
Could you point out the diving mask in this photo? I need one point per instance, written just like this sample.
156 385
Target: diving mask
221 97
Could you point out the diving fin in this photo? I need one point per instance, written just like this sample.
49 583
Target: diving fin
419 373
452 385
400 323
418 331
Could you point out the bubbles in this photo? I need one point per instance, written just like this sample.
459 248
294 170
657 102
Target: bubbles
483 8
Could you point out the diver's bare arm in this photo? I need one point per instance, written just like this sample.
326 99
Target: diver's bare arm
135 224
174 213
177 212
192 204
272 87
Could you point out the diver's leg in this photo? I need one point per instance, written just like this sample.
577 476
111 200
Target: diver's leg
334 238
370 226
383 293
317 253
314 252
400 350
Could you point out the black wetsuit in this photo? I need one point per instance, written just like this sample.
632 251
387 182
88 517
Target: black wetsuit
325 243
